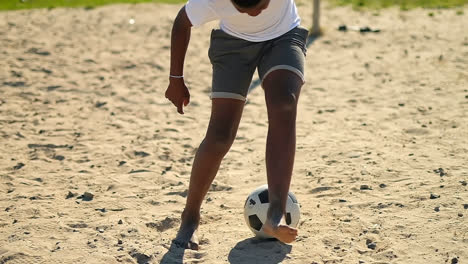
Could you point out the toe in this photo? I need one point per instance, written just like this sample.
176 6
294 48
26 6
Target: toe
192 246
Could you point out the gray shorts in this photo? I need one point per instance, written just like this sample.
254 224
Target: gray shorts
235 60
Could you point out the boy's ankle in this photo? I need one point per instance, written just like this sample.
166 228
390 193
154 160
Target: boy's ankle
191 215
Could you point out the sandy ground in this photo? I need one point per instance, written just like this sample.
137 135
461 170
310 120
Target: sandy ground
94 162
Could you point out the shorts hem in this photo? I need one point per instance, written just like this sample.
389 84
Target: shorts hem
285 67
227 96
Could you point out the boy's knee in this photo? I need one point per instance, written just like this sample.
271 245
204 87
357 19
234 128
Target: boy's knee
288 102
285 103
282 88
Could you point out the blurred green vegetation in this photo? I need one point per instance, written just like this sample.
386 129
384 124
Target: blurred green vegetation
403 4
28 4
359 4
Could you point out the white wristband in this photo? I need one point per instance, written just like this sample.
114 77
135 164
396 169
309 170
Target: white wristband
176 76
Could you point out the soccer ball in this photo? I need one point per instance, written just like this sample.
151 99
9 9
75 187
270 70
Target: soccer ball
256 208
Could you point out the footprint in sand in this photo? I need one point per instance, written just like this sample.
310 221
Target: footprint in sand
167 223
182 193
215 187
194 256
38 52
18 258
139 257
14 84
416 131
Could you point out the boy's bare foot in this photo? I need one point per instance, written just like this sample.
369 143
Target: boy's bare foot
187 239
187 234
282 232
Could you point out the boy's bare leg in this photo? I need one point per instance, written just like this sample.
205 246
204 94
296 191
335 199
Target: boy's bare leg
222 129
282 89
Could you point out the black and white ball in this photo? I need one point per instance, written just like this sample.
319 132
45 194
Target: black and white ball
256 208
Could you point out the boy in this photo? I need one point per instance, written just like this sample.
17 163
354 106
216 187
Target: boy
253 34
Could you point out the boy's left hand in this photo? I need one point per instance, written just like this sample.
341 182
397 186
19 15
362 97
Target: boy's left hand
178 94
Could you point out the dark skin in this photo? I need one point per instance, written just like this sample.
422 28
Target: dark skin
253 11
177 92
282 89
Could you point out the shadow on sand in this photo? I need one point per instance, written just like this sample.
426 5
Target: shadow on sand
258 251
175 255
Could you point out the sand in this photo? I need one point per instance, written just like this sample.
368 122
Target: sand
95 162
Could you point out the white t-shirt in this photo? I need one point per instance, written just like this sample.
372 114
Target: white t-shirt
278 18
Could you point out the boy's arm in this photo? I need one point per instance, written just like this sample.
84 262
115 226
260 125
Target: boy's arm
180 38
177 92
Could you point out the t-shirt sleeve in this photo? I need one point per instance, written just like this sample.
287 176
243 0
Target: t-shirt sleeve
200 12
